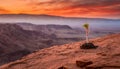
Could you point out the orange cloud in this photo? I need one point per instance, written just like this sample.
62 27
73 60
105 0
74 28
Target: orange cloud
3 11
69 8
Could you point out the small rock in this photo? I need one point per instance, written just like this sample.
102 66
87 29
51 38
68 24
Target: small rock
83 63
93 67
62 67
102 54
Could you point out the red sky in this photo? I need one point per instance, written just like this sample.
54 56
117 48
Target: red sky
67 8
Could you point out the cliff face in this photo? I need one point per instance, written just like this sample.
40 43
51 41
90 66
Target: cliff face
16 42
49 29
14 34
106 56
63 33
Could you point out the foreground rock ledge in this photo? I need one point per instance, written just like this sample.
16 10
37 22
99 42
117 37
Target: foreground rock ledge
107 56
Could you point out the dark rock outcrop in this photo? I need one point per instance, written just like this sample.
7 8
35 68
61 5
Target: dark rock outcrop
88 46
62 67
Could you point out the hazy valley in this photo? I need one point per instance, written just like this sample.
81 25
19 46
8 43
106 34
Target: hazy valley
18 39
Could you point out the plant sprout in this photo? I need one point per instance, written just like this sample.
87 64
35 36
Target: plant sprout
86 26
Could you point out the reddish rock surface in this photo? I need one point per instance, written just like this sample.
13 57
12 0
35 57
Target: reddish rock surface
106 56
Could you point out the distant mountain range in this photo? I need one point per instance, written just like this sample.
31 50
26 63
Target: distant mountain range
18 17
49 16
96 23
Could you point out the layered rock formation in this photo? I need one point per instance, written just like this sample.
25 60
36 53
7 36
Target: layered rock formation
16 42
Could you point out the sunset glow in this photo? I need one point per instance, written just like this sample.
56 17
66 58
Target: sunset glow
67 8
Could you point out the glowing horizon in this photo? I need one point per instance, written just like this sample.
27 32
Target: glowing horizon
65 8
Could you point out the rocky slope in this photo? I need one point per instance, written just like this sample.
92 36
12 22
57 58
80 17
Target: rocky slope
70 56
